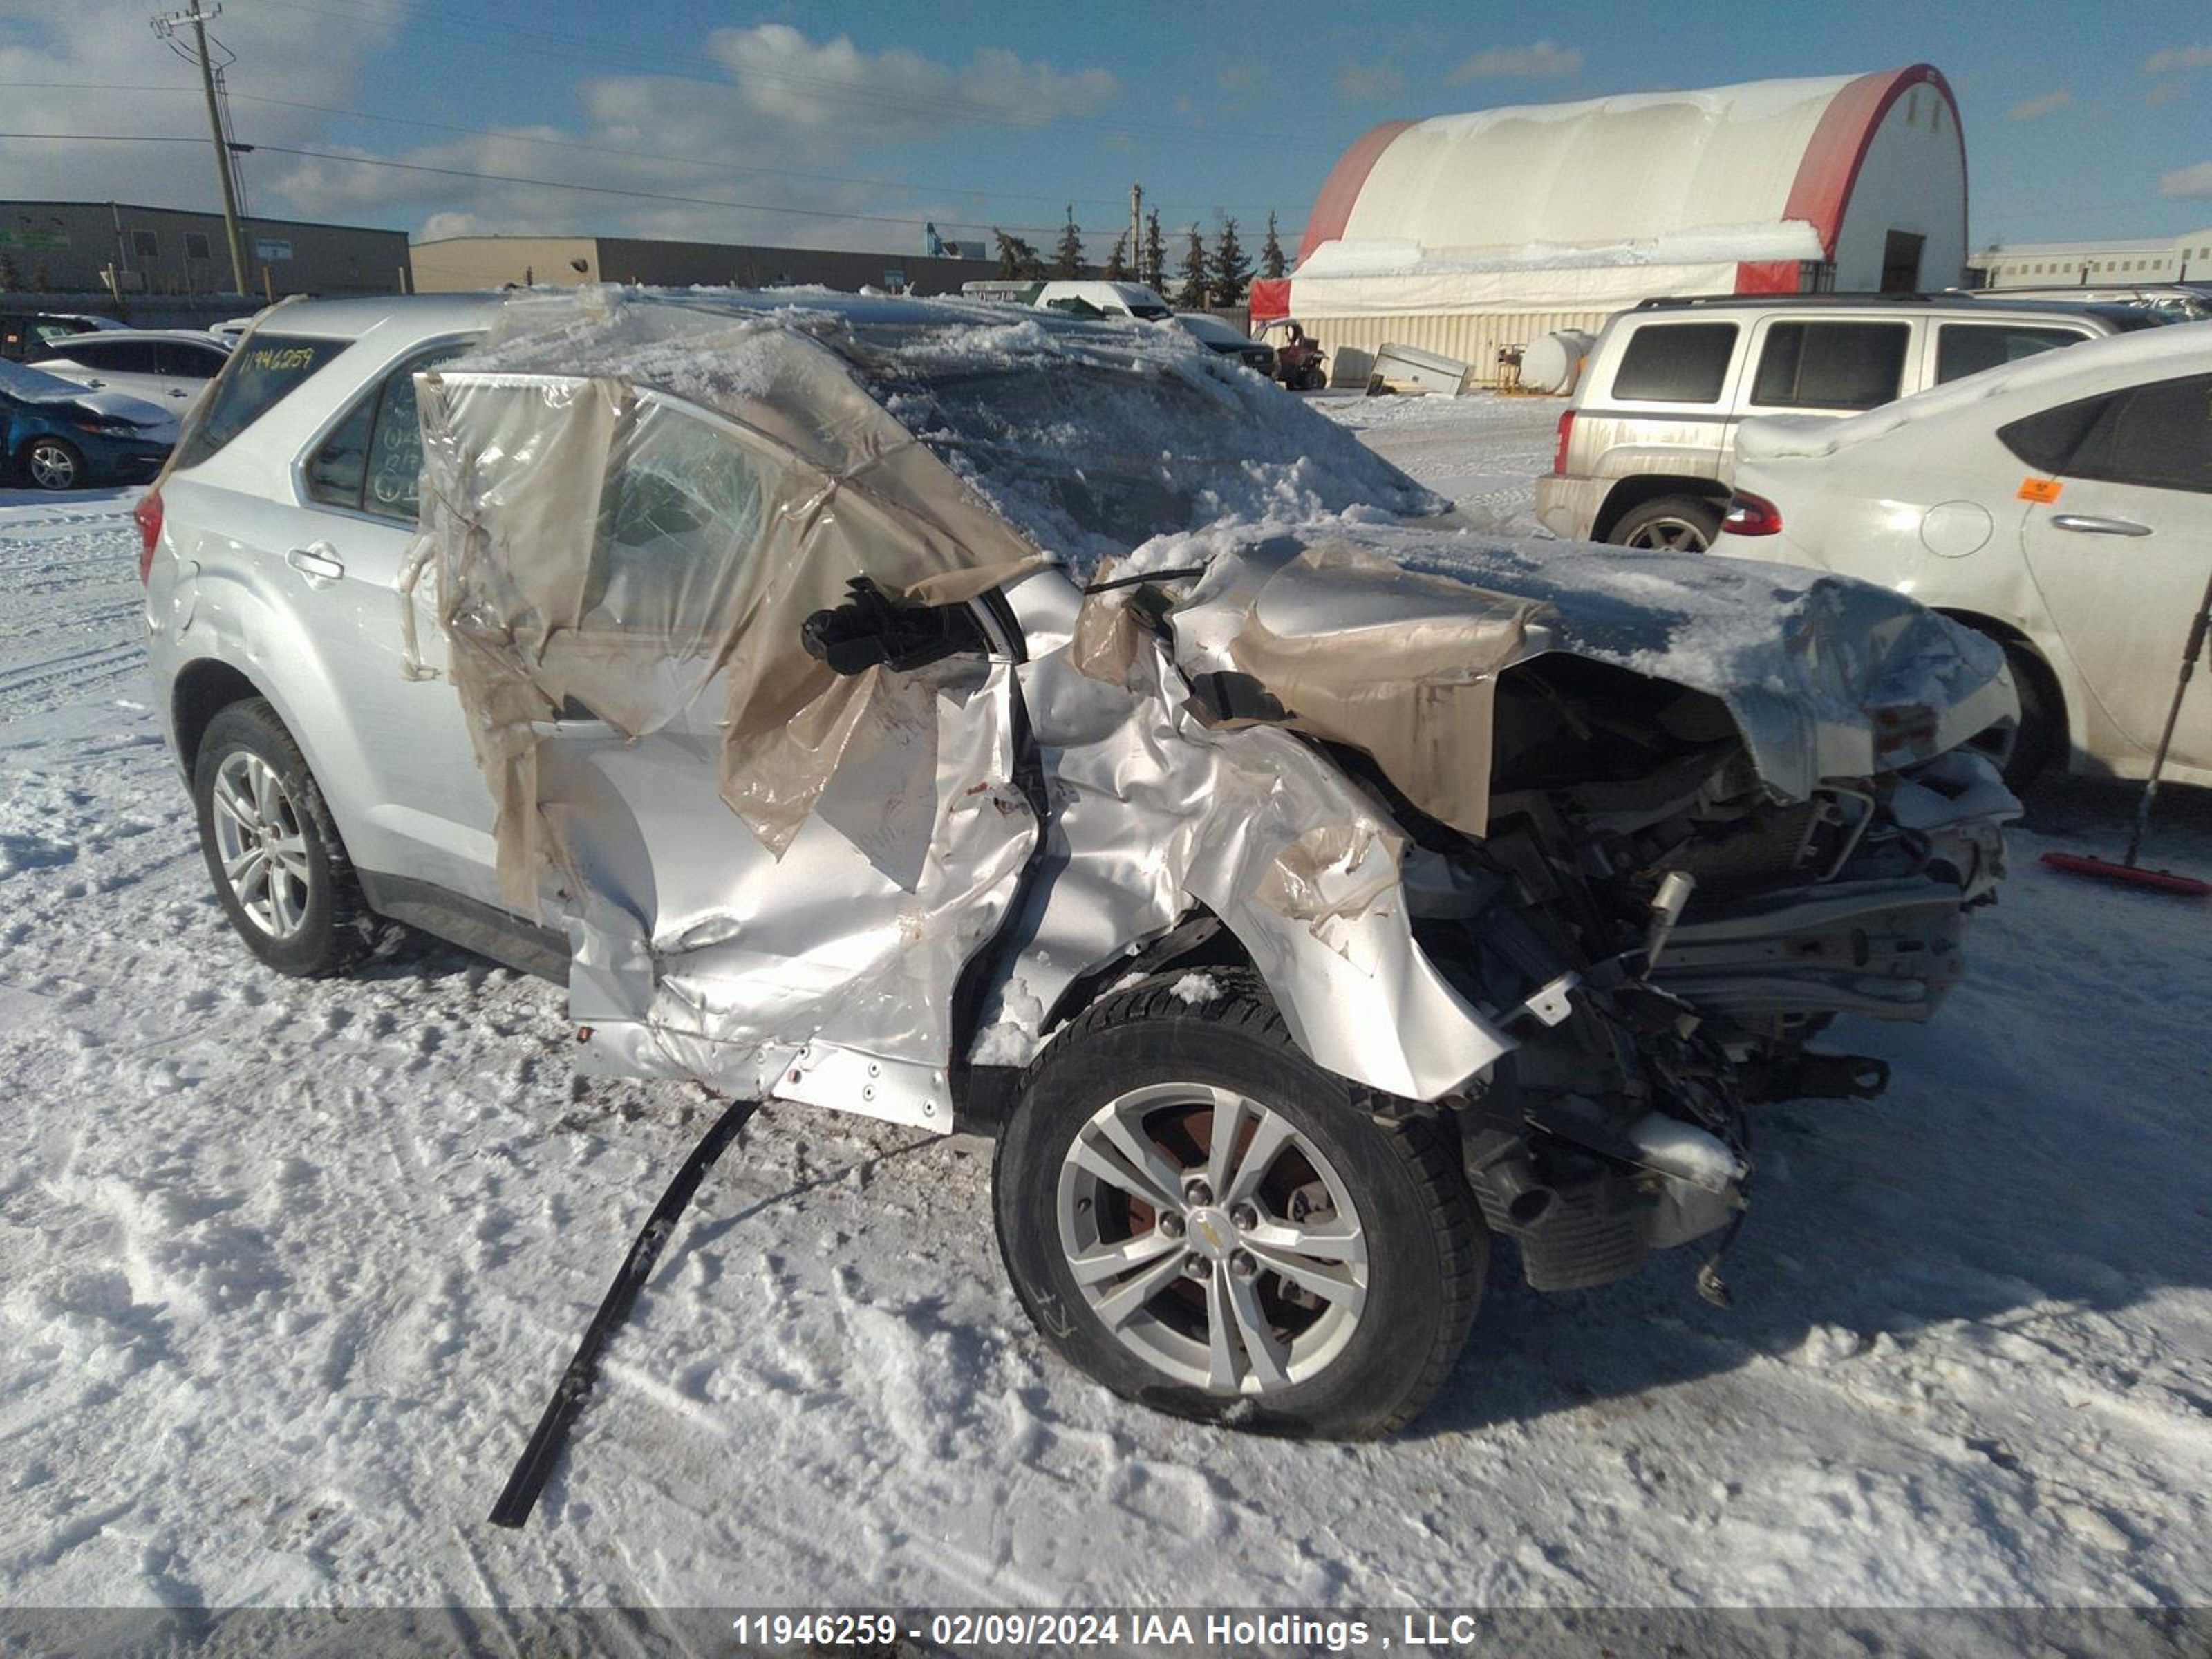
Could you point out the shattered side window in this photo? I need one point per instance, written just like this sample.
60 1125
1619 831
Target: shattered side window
680 497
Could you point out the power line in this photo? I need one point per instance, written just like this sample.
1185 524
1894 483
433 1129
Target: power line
635 154
516 178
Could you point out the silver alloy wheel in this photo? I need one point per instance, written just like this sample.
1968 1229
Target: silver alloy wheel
1242 1270
260 844
1668 534
52 466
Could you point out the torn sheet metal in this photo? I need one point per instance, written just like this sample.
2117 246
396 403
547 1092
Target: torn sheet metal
774 877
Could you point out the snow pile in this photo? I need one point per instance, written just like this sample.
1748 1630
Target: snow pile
1091 437
286 1269
1697 244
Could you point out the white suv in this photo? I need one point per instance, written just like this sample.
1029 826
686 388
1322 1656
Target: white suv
1647 447
1306 903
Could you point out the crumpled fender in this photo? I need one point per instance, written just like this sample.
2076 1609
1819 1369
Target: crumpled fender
1154 814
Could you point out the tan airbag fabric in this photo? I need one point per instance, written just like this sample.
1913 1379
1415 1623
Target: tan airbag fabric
1418 695
606 549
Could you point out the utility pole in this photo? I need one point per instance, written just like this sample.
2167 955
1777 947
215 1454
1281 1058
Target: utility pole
167 28
1136 224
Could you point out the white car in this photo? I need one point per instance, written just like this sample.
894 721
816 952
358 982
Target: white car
170 368
2061 505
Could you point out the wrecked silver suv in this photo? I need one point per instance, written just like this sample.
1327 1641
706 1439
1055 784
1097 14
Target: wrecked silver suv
1042 725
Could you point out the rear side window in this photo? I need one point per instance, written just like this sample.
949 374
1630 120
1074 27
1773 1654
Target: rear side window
372 461
186 360
1675 363
1970 347
115 357
1831 365
266 370
2159 436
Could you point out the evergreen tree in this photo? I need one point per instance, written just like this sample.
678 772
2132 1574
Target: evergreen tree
1067 257
1117 267
1017 259
1192 294
1153 260
1232 271
1271 251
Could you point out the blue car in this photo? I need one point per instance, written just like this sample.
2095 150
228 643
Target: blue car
57 435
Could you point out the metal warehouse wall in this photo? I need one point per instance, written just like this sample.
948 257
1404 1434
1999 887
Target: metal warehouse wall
1473 337
167 252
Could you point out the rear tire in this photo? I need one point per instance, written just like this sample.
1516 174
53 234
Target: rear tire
53 464
279 870
2041 737
1330 1325
1672 524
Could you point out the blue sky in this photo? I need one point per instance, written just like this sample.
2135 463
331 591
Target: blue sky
2081 121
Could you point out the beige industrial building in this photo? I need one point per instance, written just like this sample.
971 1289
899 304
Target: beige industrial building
2182 258
461 262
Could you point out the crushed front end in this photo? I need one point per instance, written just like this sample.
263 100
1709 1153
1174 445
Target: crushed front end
1674 884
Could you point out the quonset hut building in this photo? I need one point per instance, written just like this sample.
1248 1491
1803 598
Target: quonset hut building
1466 234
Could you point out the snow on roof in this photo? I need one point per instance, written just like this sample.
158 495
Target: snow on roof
1787 238
1090 436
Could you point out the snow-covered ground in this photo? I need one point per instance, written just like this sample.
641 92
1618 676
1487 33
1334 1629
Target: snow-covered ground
286 1270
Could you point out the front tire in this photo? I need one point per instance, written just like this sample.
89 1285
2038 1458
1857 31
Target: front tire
53 464
1671 524
280 871
1207 1222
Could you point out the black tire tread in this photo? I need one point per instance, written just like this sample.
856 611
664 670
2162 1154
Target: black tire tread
355 931
1701 509
2042 738
1410 1131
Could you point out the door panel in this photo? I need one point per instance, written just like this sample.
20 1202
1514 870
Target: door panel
2124 555
828 975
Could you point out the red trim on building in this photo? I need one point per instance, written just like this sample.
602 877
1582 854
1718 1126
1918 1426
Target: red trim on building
1767 276
1830 168
1268 298
1333 207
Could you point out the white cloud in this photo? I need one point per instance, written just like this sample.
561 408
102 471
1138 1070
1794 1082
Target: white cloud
2164 92
2178 57
2188 181
1544 61
2034 108
790 103
1369 83
61 50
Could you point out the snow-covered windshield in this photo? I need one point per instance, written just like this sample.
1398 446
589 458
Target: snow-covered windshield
1095 442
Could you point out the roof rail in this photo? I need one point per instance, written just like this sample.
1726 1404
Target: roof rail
1675 301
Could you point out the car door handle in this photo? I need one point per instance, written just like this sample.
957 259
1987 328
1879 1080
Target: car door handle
2083 525
318 563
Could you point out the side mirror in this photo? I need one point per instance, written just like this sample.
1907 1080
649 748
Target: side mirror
870 630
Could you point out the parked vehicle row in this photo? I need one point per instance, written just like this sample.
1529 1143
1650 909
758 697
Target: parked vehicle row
1291 960
58 434
2062 506
160 365
1646 446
